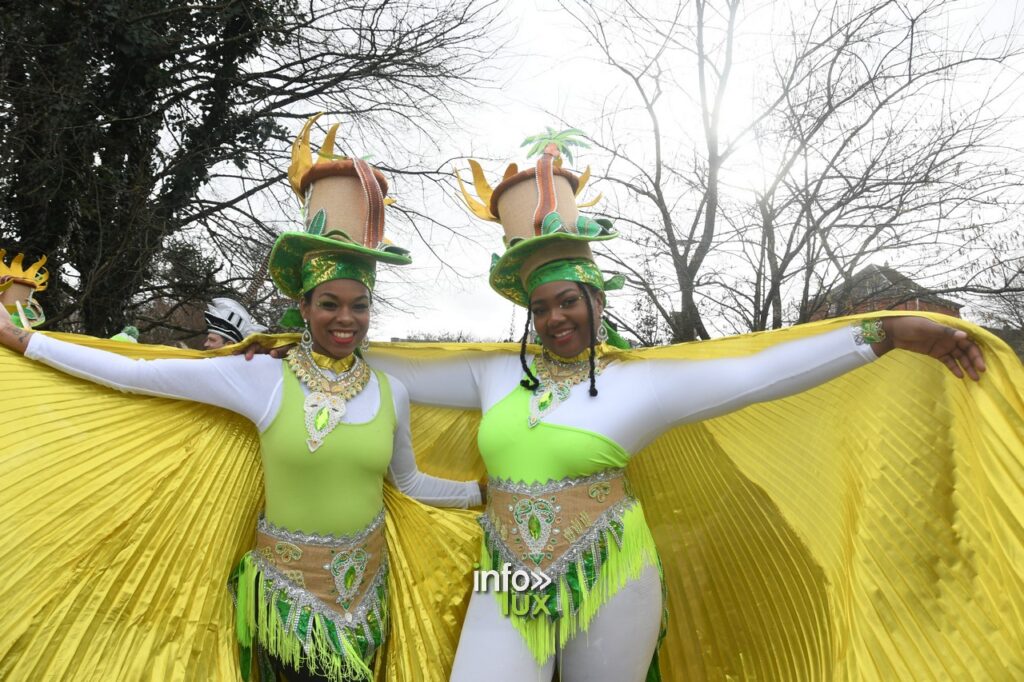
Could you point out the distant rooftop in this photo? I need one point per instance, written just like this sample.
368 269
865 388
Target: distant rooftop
879 287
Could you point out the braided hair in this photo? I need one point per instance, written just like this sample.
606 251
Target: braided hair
590 320
530 382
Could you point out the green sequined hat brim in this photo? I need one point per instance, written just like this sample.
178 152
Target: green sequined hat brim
505 274
291 249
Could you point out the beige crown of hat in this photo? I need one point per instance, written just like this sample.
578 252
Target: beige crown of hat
538 210
333 185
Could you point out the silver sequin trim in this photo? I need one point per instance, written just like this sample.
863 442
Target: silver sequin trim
299 537
301 599
537 489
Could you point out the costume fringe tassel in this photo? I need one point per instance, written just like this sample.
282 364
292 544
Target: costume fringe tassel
625 562
327 653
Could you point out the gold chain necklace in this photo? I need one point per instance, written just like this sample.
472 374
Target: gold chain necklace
325 405
556 377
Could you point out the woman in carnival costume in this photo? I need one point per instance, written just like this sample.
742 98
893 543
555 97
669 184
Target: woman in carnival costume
556 441
312 597
868 528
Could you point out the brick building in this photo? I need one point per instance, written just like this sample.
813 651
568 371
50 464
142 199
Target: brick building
879 288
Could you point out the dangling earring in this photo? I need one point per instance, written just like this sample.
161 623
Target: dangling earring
306 343
364 345
602 332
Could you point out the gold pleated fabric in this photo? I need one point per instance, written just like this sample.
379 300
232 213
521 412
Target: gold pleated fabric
870 528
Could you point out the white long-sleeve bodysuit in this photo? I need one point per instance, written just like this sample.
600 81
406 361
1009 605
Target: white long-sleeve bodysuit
638 401
253 390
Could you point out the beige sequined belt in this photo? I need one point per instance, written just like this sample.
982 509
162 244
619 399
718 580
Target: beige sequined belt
341 578
551 526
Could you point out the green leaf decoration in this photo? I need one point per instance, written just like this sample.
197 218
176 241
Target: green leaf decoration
552 223
594 228
316 225
565 140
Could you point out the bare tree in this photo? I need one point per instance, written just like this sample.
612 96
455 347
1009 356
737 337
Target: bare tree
862 144
1004 272
133 128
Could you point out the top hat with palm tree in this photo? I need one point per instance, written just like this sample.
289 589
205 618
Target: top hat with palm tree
538 210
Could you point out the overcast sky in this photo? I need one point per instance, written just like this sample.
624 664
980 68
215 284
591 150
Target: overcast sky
546 68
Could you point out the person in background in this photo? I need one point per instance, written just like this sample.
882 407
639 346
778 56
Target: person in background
227 322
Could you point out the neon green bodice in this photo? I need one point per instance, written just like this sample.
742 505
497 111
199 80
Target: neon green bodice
338 489
619 553
547 452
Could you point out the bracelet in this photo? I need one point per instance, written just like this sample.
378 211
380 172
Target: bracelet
868 332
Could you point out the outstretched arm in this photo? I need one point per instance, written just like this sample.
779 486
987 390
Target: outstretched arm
407 477
446 381
225 382
694 390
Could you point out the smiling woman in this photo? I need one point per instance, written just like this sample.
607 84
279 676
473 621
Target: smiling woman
556 451
564 315
312 596
338 313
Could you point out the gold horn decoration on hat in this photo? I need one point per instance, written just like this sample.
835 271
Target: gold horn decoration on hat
302 159
34 276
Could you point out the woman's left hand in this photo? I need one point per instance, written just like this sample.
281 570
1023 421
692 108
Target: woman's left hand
953 347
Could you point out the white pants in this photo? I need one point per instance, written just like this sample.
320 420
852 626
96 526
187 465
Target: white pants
617 647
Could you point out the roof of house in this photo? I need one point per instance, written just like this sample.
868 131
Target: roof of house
882 282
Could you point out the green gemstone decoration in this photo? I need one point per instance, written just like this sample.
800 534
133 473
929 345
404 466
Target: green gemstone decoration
534 526
350 577
332 633
283 609
545 400
305 620
320 421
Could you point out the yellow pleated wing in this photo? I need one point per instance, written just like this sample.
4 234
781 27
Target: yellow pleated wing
867 529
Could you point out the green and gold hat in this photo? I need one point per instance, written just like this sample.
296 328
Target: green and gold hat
546 238
343 207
